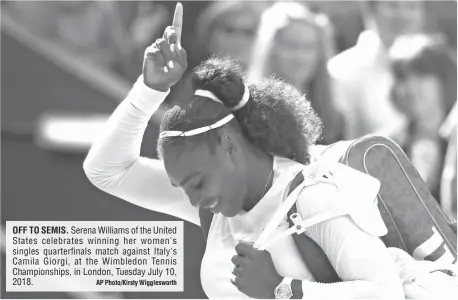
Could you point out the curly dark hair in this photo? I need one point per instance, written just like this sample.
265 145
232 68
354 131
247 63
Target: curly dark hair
278 119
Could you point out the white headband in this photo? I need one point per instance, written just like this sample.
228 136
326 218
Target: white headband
208 94
246 96
225 120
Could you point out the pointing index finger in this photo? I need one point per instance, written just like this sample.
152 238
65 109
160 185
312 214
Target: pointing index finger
178 21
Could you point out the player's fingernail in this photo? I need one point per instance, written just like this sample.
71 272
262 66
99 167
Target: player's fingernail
179 46
171 64
166 70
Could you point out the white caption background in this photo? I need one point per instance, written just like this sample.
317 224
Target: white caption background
94 256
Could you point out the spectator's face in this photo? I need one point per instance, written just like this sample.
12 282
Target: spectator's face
295 53
420 98
394 18
234 35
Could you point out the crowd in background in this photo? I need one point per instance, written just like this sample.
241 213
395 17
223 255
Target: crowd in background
383 67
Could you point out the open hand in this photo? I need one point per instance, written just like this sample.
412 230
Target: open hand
165 60
254 271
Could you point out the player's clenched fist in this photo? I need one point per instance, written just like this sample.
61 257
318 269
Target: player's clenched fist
165 60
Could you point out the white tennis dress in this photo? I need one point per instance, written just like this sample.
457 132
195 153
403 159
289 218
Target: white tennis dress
114 165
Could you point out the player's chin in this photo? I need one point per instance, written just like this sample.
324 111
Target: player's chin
230 210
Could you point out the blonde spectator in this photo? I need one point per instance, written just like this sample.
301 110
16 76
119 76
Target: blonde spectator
295 44
227 28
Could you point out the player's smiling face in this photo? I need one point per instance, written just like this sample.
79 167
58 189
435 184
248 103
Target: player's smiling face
209 176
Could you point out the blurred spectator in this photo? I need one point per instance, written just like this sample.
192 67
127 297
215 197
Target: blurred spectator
449 175
225 28
442 19
346 19
295 44
425 91
363 75
142 22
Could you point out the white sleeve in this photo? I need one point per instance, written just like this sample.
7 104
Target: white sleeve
362 261
114 164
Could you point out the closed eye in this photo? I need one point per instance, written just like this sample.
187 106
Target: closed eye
201 183
196 186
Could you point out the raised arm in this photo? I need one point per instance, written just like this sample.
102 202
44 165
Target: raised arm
114 164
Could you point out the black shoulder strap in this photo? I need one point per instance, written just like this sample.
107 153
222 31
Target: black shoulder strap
312 254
